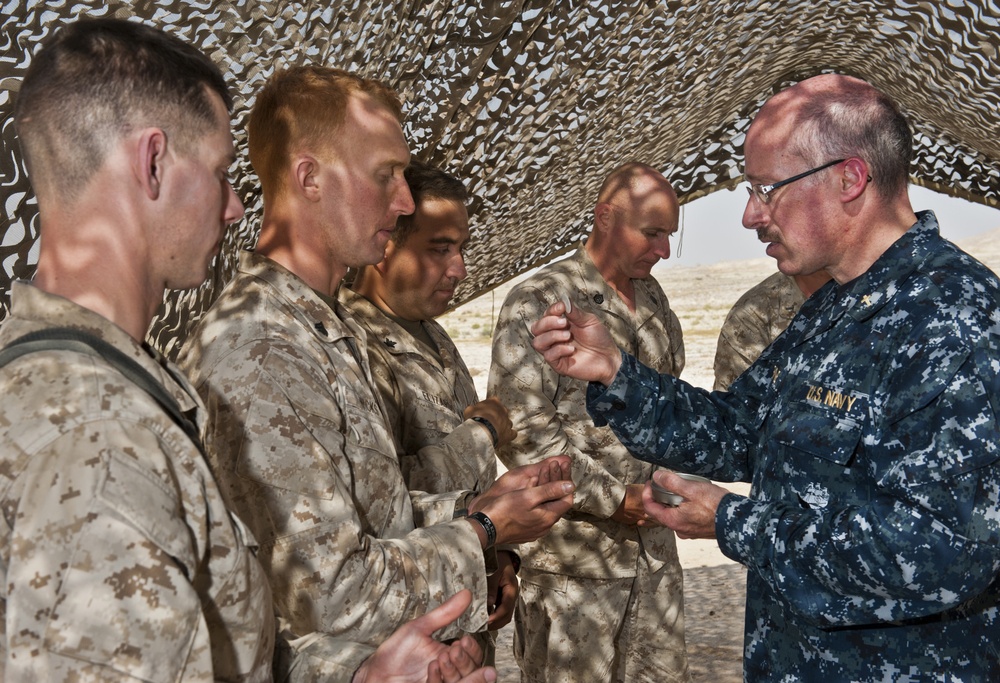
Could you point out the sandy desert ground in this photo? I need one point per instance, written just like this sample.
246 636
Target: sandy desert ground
713 584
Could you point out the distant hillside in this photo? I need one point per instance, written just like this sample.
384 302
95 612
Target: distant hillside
985 247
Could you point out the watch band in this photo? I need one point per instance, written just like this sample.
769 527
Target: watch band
488 527
489 426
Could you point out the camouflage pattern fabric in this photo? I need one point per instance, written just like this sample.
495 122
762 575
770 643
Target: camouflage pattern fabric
533 103
754 321
424 398
582 630
869 432
302 452
118 559
550 416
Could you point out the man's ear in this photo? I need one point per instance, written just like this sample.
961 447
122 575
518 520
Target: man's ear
305 175
602 216
854 179
149 161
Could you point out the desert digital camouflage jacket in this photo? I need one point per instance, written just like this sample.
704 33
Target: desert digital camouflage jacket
550 415
870 433
118 558
300 447
424 399
754 321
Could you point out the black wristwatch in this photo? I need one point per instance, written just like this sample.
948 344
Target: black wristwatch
489 427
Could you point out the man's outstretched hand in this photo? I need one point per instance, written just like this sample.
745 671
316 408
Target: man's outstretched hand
693 518
411 655
526 501
576 344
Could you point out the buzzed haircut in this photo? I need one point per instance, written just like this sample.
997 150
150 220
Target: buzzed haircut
304 106
97 79
626 177
427 182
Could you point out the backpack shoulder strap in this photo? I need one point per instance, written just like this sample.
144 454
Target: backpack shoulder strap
72 339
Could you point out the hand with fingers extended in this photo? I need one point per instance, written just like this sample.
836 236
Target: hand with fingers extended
695 516
411 655
576 344
495 413
551 469
526 501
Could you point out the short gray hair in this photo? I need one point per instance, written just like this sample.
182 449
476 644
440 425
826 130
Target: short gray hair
858 120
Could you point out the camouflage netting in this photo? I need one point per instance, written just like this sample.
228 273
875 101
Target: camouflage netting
532 101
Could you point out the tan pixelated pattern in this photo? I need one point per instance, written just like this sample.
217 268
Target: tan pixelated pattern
301 449
574 630
119 559
550 415
424 398
754 321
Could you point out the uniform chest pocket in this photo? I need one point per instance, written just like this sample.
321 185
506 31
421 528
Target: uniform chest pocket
148 504
811 456
293 431
819 430
433 414
364 426
370 455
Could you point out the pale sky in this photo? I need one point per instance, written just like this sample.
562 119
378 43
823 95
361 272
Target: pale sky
713 231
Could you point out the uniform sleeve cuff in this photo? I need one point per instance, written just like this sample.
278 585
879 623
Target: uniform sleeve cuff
740 527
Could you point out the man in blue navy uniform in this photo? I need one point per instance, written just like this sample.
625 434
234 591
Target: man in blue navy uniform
869 430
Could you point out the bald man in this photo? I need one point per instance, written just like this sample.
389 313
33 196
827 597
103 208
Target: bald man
601 595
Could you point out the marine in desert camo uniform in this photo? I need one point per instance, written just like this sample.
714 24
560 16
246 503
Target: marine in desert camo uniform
599 589
118 558
299 440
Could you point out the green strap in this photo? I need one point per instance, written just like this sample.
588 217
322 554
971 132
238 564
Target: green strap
72 339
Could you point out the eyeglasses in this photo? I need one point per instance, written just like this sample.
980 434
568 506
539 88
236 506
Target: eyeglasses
763 192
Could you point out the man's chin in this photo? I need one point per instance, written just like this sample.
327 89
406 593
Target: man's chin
780 256
374 256
787 266
439 309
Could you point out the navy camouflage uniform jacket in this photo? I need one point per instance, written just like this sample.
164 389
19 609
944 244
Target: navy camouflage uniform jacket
869 432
